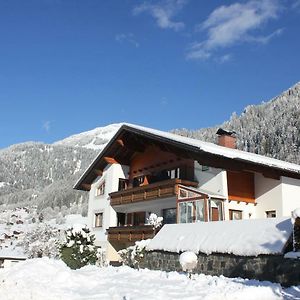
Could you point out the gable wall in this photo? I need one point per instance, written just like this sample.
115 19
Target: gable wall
268 193
291 195
155 159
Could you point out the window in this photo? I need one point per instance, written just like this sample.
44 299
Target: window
135 218
235 214
169 215
123 184
216 210
140 180
271 214
98 219
191 211
174 173
187 194
121 217
100 190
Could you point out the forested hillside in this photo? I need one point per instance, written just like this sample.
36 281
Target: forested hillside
43 175
271 128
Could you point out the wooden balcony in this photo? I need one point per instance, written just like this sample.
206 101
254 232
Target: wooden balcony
162 189
131 234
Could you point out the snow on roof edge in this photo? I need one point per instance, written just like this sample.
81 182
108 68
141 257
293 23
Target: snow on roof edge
204 146
220 150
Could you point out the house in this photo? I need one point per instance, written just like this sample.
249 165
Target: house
10 256
143 171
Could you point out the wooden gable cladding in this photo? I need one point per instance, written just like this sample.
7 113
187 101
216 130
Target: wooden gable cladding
153 158
241 186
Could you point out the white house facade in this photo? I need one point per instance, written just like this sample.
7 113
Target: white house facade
143 171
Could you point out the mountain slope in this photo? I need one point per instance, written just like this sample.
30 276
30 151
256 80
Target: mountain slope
41 174
271 128
94 139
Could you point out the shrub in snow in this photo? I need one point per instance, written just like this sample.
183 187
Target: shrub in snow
188 261
79 249
42 240
154 220
133 255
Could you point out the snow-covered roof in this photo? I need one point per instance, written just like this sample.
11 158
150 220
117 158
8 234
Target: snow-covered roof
13 253
220 150
198 146
239 237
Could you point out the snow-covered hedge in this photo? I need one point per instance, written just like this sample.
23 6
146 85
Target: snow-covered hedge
133 255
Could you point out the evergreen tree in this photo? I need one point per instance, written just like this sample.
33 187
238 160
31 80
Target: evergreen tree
79 249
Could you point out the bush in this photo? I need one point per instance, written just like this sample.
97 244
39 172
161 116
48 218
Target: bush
42 240
133 255
79 249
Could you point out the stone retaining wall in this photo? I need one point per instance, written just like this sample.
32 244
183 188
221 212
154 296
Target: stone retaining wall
273 268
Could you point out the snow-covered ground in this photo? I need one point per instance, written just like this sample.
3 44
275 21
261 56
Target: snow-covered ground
14 224
47 279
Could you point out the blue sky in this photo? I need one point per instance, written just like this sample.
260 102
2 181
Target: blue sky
67 66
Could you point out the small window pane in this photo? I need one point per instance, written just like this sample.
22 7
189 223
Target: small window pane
98 219
199 210
100 190
271 214
235 214
169 216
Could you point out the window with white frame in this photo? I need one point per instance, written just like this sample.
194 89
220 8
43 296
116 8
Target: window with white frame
98 219
100 190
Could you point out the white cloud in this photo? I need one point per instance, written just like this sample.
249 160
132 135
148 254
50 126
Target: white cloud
163 12
129 38
233 24
47 125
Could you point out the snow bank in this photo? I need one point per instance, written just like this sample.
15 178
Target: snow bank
240 237
49 279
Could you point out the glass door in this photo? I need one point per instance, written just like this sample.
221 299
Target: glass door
191 211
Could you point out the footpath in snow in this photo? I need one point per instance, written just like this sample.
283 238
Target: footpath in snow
51 279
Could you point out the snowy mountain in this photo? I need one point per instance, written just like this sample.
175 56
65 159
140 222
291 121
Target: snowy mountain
94 139
42 174
271 128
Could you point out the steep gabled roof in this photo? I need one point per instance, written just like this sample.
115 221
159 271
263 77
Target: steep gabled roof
206 153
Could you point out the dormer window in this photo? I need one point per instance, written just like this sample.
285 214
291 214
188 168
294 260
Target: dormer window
100 190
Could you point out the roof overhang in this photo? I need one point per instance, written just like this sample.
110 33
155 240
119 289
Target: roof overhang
132 138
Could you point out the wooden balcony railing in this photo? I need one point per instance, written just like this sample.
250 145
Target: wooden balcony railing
162 189
132 234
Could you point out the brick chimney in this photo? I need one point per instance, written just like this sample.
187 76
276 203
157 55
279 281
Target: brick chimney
226 138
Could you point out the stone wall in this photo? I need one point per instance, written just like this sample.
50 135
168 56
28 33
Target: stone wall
273 268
